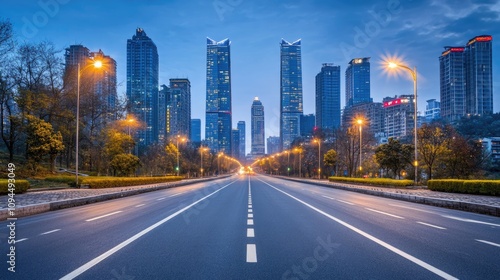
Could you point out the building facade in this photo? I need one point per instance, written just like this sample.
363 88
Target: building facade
357 81
258 128
273 145
372 114
179 109
163 98
452 83
399 116
328 97
242 128
235 143
291 106
142 86
479 76
307 125
195 135
218 123
432 110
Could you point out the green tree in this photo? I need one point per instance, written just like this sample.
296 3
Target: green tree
124 164
433 140
393 156
42 141
117 148
330 159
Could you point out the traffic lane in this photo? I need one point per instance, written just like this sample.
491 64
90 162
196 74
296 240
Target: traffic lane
80 239
463 252
296 243
207 242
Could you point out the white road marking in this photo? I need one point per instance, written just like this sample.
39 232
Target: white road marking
339 200
251 253
103 216
140 205
250 232
21 240
250 205
75 273
250 210
250 215
49 232
384 213
412 208
430 225
250 222
162 198
176 194
488 242
373 238
470 221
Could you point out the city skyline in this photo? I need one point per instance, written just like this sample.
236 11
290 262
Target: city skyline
376 30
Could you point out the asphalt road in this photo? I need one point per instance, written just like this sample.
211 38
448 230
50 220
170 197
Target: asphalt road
253 227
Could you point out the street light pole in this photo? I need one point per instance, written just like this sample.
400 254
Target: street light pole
413 73
360 122
319 157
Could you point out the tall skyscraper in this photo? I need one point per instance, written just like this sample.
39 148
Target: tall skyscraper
357 81
273 145
328 97
235 143
399 116
307 124
163 98
452 83
432 110
290 92
195 136
479 76
466 79
258 135
179 108
142 86
97 86
218 122
241 128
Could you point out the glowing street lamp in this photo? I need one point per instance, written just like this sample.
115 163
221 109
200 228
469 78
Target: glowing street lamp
360 123
413 73
201 163
177 145
300 163
319 157
96 64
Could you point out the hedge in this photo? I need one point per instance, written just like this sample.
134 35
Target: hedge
485 187
21 186
68 179
373 181
111 182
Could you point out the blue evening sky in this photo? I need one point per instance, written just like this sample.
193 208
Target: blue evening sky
331 32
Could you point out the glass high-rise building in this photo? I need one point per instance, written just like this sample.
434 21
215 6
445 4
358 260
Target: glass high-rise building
357 81
241 128
195 136
235 143
328 97
291 105
452 83
142 86
479 76
163 96
307 125
218 100
179 109
258 127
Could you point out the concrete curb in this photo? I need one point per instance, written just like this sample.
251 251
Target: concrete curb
28 210
445 203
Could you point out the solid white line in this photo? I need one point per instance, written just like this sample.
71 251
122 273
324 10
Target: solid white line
251 253
470 221
250 232
103 216
372 238
384 213
250 215
21 240
250 222
250 210
430 225
49 232
488 242
140 205
122 245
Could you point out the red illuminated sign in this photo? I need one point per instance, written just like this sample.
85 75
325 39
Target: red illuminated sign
457 49
483 38
392 102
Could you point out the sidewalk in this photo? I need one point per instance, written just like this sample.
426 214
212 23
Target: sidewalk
482 204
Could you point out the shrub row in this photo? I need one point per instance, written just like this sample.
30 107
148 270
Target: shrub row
373 181
486 187
111 182
20 186
68 179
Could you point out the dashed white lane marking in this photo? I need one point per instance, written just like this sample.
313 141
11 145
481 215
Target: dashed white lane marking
250 215
21 240
412 208
430 225
250 210
339 200
175 194
403 254
140 205
162 198
103 216
250 222
384 213
49 232
470 221
488 242
75 273
251 253
250 206
250 232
